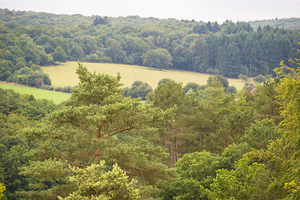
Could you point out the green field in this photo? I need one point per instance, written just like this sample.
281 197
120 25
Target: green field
64 74
57 97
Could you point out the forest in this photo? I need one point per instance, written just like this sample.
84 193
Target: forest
29 40
193 142
102 145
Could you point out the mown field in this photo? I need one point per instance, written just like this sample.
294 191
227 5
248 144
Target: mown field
57 97
64 74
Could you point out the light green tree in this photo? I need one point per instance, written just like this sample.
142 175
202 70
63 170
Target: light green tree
94 182
246 181
281 158
2 189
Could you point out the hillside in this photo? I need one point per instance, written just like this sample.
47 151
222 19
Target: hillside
57 97
37 18
288 23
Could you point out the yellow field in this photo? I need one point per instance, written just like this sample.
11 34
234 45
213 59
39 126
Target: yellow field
64 74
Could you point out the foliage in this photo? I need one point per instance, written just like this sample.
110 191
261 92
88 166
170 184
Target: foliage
201 132
264 101
241 183
243 77
139 89
176 131
228 49
164 80
97 123
100 20
260 78
191 85
59 55
94 183
221 79
281 158
231 89
17 112
259 134
2 189
197 171
158 58
286 23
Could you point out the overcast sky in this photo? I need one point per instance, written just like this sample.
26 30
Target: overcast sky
205 10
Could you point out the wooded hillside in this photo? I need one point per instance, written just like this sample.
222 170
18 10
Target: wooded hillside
202 142
228 49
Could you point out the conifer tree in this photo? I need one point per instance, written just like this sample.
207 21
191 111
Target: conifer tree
95 124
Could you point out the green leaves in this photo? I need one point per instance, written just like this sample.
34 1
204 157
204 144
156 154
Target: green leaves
96 123
244 182
2 189
59 54
158 58
94 182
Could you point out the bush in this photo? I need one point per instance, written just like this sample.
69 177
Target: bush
139 89
224 81
191 85
243 77
260 78
67 89
231 89
58 89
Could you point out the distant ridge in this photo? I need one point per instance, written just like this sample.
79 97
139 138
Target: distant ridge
286 23
36 18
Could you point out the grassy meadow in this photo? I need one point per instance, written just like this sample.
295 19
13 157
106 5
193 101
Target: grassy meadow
57 97
64 74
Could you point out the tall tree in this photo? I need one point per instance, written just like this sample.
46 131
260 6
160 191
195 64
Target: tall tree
199 54
175 132
91 126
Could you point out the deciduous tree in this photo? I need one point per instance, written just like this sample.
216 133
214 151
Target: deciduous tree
59 55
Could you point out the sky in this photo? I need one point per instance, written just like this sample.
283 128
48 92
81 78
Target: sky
205 10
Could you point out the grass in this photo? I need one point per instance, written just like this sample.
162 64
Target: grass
57 97
64 74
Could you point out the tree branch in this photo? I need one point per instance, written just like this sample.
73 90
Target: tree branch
79 126
71 140
106 132
114 133
145 170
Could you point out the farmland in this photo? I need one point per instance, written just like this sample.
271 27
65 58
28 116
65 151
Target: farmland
64 74
57 97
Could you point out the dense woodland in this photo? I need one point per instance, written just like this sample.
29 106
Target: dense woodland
102 145
30 39
193 142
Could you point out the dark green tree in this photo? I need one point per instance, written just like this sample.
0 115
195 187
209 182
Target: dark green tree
191 85
139 89
158 58
59 55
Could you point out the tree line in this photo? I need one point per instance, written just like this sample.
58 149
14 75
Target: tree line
227 49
